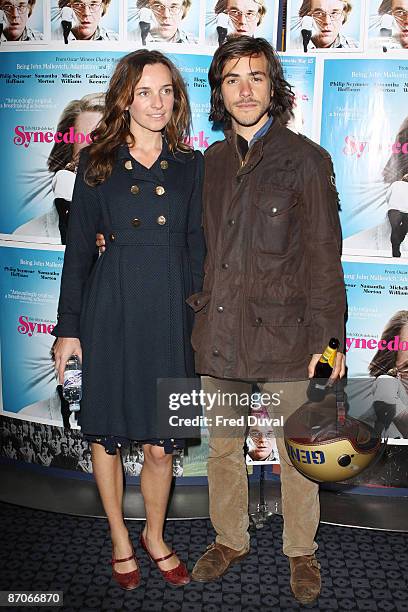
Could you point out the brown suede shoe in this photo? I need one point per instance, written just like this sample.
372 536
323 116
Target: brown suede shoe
305 579
216 561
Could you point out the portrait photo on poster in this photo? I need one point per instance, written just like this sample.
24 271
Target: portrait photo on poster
325 25
260 442
163 21
387 28
240 17
21 21
78 117
85 20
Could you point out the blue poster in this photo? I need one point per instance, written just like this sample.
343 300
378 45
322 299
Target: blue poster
49 104
300 74
29 289
365 128
377 342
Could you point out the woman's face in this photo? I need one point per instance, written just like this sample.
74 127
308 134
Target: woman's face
399 9
88 14
85 123
153 100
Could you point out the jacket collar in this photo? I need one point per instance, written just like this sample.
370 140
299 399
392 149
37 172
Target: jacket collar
177 156
255 153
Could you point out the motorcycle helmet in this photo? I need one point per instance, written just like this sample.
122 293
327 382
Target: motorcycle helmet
327 446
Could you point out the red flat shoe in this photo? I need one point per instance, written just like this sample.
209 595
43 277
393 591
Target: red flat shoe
127 580
177 576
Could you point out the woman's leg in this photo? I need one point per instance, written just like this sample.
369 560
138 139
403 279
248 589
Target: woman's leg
155 482
108 474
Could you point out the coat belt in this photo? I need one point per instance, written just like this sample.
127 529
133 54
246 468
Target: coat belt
147 237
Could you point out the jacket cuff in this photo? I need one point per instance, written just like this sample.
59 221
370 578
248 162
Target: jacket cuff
319 338
67 326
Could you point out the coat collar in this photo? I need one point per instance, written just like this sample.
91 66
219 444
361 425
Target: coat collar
255 152
177 156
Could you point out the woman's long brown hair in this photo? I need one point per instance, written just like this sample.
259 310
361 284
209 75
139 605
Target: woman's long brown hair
113 129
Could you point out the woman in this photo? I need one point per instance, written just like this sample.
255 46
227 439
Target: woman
125 316
390 367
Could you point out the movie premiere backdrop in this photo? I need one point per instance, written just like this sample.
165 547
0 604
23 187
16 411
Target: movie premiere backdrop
348 66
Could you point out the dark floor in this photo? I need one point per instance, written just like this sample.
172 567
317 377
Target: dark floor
362 569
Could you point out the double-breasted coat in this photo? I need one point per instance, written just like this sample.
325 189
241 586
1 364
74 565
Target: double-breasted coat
128 308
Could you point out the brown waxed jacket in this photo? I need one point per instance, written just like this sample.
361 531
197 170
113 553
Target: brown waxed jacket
273 290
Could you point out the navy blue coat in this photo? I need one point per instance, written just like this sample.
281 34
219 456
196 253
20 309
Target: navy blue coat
128 308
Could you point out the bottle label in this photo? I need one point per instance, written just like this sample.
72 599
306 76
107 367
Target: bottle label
72 378
329 356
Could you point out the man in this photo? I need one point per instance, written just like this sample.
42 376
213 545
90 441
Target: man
273 292
145 21
88 15
329 17
67 18
244 16
167 25
17 14
63 459
396 12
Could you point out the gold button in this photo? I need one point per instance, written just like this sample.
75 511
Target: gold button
136 222
160 190
134 189
128 165
161 220
164 164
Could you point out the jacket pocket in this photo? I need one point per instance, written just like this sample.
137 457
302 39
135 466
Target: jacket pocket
292 314
199 301
275 216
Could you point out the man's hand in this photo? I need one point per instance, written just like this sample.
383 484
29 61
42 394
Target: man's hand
338 371
100 243
62 350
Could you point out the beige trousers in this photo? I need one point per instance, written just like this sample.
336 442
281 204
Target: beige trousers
227 476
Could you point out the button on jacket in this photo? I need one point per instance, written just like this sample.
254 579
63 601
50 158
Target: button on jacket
273 289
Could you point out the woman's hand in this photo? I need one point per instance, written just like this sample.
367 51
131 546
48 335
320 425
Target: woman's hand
62 350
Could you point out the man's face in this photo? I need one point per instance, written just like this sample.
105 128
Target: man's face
168 14
328 16
64 448
262 440
399 10
244 15
16 12
88 14
246 91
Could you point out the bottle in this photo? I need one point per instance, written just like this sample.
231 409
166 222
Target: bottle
72 387
324 368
